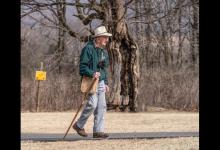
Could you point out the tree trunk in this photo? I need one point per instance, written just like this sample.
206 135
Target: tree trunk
124 59
61 9
194 46
179 56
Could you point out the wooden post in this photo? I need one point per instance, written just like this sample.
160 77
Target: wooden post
37 93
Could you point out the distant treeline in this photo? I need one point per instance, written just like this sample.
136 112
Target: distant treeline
165 31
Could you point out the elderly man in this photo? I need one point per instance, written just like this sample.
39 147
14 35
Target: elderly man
93 63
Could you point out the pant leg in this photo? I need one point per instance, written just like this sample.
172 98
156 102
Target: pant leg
100 109
88 110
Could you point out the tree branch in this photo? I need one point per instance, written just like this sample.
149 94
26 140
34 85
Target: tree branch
129 2
86 19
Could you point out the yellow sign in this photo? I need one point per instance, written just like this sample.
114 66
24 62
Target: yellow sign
40 75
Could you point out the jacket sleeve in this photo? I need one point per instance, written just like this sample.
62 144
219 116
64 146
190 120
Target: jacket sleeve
85 60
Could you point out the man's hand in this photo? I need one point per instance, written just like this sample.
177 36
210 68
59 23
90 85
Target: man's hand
106 88
96 75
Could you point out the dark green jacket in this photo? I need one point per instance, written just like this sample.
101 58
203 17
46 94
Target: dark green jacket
89 58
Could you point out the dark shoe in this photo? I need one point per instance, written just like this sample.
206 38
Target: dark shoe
81 132
100 135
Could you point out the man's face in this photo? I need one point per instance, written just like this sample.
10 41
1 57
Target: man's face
102 40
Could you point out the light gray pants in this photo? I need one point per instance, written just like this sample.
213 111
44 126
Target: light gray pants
96 104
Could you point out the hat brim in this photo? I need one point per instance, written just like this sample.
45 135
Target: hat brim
102 34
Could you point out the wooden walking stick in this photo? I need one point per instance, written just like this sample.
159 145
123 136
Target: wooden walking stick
84 100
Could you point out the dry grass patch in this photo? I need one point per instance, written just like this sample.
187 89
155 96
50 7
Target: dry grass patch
58 122
186 143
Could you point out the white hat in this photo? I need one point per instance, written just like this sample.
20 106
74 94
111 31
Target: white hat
101 31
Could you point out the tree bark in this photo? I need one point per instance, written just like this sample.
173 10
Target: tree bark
124 54
55 63
179 56
61 11
194 45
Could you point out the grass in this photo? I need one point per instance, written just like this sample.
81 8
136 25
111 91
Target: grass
58 122
186 143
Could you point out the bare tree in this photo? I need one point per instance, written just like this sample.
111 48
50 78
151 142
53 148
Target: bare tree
122 48
59 53
194 46
164 32
124 53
